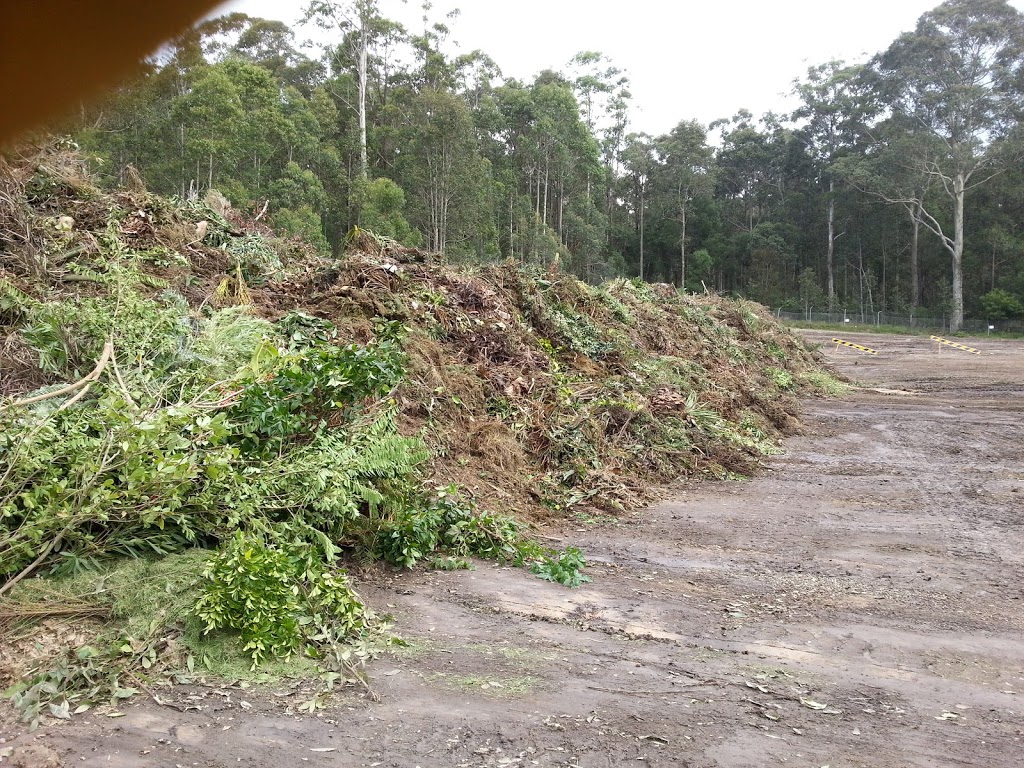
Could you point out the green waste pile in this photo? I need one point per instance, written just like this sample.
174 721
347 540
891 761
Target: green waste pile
179 385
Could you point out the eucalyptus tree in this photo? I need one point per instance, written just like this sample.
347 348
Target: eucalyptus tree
958 82
543 157
747 164
475 73
203 127
602 90
271 44
354 22
506 143
445 175
684 173
887 171
832 115
750 182
139 123
567 153
595 80
640 162
436 71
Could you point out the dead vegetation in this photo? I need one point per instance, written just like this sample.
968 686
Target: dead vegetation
535 391
144 340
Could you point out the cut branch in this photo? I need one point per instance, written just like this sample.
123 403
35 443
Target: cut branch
83 384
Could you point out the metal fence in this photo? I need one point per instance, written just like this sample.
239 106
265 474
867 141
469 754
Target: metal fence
869 319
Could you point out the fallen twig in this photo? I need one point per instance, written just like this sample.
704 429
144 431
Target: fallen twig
350 668
156 699
82 385
48 611
701 684
120 381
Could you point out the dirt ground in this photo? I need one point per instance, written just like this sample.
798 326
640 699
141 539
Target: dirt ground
860 604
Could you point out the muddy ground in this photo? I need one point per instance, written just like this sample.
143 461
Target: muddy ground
860 604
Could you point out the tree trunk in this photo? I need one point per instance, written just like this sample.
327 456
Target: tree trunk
829 259
957 319
915 285
641 212
561 210
883 305
860 273
181 129
547 167
511 226
682 249
364 162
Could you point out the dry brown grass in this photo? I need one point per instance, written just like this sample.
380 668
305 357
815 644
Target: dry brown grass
19 367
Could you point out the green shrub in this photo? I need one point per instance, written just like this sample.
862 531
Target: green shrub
450 525
305 223
337 484
149 335
823 383
382 211
563 568
303 331
409 535
306 389
279 597
447 523
998 304
228 339
578 332
107 480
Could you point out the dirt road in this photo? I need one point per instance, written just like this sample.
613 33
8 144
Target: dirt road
862 604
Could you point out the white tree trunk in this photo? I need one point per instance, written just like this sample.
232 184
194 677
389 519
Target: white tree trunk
682 249
915 286
547 167
511 227
364 162
830 255
641 232
957 319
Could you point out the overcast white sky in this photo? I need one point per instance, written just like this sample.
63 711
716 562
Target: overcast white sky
688 59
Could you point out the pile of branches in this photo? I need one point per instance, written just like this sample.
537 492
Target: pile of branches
539 393
175 378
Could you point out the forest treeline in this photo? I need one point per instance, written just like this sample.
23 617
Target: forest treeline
895 185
